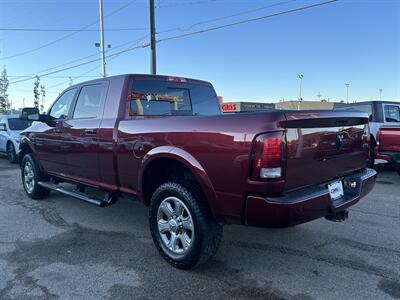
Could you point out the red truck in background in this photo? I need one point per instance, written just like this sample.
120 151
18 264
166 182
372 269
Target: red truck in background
388 145
163 141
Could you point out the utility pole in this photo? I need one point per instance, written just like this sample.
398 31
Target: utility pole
380 94
103 59
153 59
347 92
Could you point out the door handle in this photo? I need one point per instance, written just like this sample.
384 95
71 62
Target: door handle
91 131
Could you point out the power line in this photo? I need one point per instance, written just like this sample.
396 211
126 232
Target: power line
186 35
68 30
81 64
66 76
83 75
83 58
246 21
67 35
226 17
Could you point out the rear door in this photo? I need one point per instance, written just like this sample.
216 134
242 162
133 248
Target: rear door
324 145
81 133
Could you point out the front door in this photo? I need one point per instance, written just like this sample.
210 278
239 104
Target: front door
49 140
81 133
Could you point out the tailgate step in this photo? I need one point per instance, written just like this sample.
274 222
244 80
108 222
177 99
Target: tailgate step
108 200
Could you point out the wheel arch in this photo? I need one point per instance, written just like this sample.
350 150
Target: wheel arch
173 157
24 149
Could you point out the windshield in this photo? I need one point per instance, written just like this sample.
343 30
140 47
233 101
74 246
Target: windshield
17 124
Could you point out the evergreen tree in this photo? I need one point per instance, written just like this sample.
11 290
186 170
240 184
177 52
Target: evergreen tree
4 102
36 92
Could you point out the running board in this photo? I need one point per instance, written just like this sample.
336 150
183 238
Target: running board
108 200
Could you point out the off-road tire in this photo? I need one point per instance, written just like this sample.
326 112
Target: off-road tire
207 232
38 192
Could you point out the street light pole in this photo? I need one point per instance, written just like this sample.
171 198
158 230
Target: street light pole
301 84
347 92
153 63
380 94
103 59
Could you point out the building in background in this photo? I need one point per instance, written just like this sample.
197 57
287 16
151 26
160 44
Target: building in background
238 107
304 105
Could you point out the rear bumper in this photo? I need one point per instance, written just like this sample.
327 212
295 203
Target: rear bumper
390 156
306 204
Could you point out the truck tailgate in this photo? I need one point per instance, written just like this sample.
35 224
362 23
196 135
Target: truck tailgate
322 146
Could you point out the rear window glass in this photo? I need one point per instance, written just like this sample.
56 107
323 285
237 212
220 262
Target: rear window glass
17 124
165 102
162 98
392 113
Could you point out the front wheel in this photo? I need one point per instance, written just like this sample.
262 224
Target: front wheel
31 175
182 227
11 154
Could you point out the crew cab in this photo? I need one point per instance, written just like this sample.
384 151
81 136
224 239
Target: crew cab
163 141
10 128
388 145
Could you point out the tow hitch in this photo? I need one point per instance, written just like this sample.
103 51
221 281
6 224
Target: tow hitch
338 217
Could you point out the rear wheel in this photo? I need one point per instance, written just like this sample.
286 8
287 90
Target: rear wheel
182 227
31 175
11 154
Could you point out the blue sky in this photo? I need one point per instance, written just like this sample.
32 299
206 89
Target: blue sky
352 41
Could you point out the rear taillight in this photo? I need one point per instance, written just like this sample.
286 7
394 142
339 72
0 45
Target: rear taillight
268 156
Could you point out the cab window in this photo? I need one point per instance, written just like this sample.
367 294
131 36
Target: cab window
88 103
61 107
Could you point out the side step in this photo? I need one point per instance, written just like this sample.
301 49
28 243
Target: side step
108 200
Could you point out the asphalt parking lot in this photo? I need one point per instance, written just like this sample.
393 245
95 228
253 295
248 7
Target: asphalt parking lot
63 248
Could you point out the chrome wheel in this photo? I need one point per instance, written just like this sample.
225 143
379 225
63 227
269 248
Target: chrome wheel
29 177
175 226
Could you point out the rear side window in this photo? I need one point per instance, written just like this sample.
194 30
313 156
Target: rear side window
61 107
88 103
392 113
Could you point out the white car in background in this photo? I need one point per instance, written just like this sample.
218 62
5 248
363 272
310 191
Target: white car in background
10 128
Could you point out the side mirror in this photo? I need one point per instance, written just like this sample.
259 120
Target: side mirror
3 127
30 114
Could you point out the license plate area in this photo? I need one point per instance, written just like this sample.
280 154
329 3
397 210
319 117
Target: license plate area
336 190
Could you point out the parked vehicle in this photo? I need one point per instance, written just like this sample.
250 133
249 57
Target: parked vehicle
380 113
164 141
10 128
388 145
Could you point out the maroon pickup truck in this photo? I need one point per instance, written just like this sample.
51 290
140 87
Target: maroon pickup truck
163 140
388 145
